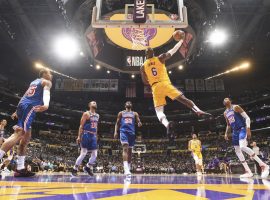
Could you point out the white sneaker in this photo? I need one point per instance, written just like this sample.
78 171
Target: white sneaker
246 175
265 171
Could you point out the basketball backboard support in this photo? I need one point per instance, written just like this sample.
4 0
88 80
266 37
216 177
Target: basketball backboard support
180 22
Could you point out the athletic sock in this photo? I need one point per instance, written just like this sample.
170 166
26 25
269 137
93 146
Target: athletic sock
126 166
247 169
2 153
258 160
196 109
20 162
165 122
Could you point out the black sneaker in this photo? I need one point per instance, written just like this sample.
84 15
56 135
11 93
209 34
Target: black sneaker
23 173
170 130
74 172
88 170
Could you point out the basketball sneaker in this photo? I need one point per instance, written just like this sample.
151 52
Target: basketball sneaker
265 171
202 113
247 175
23 173
88 170
74 172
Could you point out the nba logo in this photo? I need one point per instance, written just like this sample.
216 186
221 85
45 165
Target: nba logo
139 12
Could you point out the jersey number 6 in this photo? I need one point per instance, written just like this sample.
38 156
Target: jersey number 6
154 71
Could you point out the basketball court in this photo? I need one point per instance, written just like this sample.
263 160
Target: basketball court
158 187
116 41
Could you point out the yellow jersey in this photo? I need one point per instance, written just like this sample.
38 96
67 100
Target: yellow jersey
155 71
195 145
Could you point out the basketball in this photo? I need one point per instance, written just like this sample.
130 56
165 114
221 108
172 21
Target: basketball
178 35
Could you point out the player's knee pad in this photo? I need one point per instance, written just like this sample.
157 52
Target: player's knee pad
93 157
239 153
200 162
242 143
160 112
83 152
94 154
196 159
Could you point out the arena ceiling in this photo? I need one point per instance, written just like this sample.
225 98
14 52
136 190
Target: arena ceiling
27 28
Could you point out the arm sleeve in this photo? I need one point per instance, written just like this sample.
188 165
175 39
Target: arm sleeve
46 94
244 114
176 47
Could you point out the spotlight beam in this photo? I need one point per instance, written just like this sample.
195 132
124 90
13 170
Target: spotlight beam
237 68
40 66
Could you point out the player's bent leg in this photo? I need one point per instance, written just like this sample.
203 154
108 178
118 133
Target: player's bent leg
89 167
129 157
125 159
11 141
251 153
21 171
241 157
78 162
190 104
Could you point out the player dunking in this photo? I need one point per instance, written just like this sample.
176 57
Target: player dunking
154 73
126 120
195 147
36 99
87 138
238 120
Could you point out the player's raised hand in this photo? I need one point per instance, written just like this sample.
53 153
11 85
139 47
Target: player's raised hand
78 140
115 135
139 124
14 115
226 137
40 108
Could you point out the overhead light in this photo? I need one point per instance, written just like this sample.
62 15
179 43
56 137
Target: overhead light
170 72
108 71
180 67
97 66
66 47
81 54
217 37
132 76
38 65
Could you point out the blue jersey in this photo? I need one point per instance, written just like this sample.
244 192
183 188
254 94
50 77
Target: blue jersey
235 119
127 122
91 123
34 95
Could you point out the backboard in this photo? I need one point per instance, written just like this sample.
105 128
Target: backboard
132 12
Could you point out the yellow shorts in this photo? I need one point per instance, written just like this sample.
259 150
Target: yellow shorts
162 90
198 154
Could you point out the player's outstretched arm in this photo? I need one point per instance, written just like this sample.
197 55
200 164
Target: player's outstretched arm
228 128
240 110
143 75
165 56
46 96
80 131
138 119
119 116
